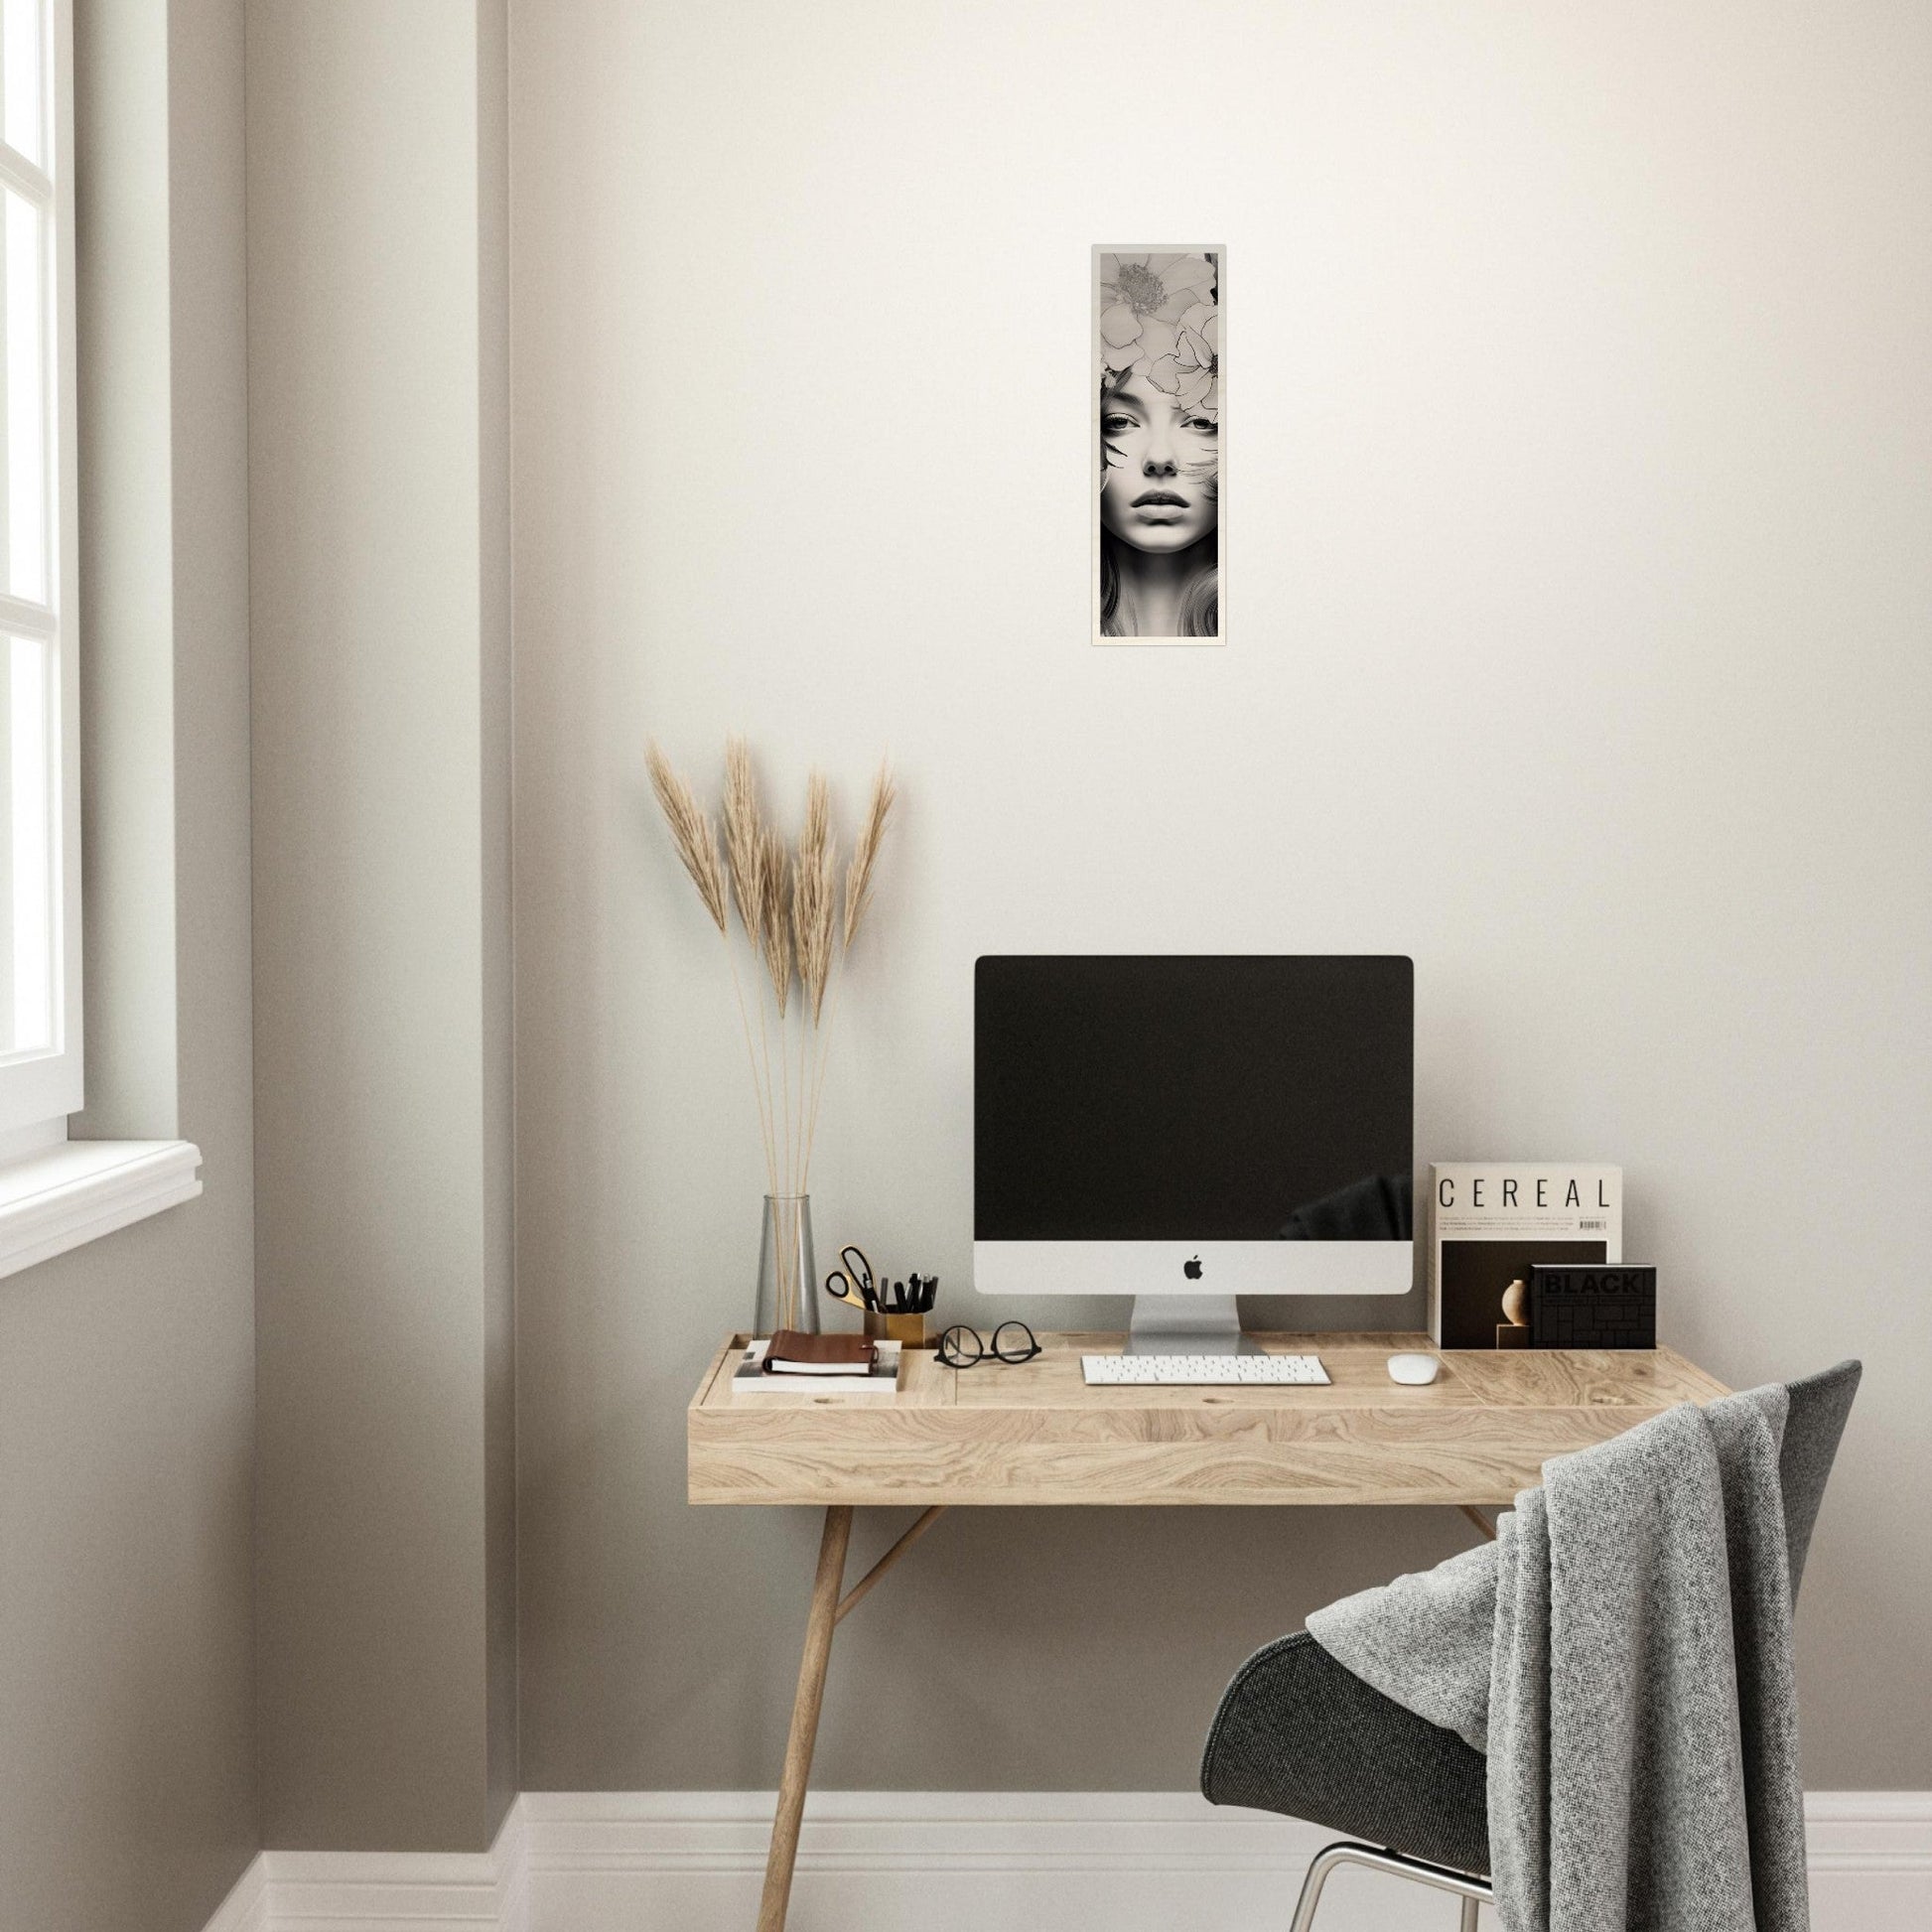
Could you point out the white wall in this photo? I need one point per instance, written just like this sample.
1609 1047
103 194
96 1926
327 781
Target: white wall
1578 575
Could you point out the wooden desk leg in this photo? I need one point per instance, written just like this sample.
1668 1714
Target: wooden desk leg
859 1591
804 1719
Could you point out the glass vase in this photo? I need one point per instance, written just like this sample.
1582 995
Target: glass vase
787 1271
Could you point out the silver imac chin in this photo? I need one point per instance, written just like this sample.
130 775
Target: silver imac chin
1184 1296
1187 1128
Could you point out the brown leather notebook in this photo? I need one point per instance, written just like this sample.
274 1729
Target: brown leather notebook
793 1353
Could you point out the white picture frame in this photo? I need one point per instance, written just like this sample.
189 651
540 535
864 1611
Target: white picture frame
1158 569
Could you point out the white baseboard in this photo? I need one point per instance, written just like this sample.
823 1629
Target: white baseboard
385 1891
954 1861
401 1891
246 1909
939 1861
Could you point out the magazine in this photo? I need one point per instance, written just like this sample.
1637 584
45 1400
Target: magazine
1490 1220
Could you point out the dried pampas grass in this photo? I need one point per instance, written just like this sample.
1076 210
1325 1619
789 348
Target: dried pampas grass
864 852
744 838
814 895
775 926
787 906
692 832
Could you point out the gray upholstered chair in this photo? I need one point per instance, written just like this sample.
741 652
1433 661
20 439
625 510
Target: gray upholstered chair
1299 1734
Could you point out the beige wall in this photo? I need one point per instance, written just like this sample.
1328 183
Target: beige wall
380 715
127 1787
495 938
1577 596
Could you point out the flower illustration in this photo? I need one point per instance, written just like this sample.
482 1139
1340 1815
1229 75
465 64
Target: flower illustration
1192 371
1144 300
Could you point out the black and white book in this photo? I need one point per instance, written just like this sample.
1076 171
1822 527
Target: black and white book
751 1378
1490 1221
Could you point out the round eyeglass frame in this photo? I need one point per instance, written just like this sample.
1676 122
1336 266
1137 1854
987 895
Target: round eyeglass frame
1005 1347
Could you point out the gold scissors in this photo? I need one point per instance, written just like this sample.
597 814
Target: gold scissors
852 1282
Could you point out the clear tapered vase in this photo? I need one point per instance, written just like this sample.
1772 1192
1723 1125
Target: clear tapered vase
787 1271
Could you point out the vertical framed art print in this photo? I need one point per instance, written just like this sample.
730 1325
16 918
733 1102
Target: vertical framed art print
1158 446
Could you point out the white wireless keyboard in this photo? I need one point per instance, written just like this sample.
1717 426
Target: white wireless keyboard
1202 1371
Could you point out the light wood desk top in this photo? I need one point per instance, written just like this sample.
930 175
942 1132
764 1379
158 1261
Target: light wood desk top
1033 1433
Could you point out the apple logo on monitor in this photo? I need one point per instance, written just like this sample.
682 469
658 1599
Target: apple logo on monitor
1191 1268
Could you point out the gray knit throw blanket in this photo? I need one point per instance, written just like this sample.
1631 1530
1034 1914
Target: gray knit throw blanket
1622 1652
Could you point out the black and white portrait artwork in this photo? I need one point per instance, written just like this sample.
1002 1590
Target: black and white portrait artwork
1159 382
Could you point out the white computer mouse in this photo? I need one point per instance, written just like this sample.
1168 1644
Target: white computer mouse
1413 1369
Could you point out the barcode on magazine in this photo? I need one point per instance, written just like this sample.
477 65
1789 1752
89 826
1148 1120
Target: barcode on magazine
1597 1226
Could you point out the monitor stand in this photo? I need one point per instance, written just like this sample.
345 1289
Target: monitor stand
1187 1325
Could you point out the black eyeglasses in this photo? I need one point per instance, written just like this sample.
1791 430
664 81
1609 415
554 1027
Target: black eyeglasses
963 1347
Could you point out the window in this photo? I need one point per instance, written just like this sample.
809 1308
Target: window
39 793
55 1193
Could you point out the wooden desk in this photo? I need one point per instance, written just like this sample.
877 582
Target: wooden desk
1034 1434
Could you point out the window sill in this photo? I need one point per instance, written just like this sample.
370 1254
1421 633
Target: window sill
78 1190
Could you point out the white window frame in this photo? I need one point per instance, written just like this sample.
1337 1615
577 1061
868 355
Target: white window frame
38 1089
56 1193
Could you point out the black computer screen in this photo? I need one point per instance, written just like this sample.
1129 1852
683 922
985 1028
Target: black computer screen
1244 1099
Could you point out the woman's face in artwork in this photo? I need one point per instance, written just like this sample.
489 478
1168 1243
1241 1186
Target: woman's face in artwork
1158 490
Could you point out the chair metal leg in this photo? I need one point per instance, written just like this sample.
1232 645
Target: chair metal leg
1325 1863
1472 1891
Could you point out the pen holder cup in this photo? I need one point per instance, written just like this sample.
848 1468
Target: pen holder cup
908 1330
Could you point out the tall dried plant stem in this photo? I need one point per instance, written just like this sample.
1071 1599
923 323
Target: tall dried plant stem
821 1060
858 899
784 1092
794 1236
759 1088
806 1047
762 1076
794 1126
775 944
814 919
774 1092
771 1098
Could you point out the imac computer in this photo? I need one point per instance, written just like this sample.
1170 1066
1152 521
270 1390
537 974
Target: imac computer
1184 1129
